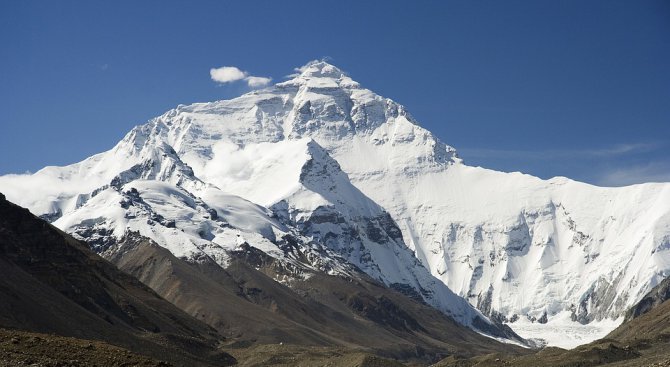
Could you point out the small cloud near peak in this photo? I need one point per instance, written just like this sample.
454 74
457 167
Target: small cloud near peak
257 81
229 74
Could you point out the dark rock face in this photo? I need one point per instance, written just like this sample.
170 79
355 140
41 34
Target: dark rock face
383 311
657 296
213 214
50 217
601 293
98 237
408 291
265 263
484 301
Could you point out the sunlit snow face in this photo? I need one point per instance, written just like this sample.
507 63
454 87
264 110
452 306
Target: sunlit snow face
265 173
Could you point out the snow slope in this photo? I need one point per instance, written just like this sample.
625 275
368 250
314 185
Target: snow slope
352 173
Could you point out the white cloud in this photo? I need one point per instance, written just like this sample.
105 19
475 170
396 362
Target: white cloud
607 152
650 172
614 165
227 74
257 81
46 183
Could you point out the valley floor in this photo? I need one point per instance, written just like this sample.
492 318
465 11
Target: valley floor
643 353
20 348
283 355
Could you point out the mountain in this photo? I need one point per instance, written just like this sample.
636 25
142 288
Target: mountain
52 283
324 175
641 340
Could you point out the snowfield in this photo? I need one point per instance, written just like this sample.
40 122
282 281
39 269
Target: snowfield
562 332
356 181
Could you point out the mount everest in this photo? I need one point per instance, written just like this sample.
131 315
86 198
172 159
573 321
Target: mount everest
326 176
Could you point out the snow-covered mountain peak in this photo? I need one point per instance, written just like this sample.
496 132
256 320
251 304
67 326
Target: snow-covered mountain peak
320 68
320 74
341 167
321 103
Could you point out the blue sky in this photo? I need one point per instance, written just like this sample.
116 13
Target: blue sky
572 88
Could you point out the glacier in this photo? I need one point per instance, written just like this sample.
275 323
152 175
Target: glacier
354 179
